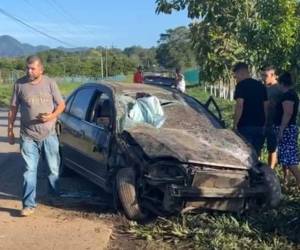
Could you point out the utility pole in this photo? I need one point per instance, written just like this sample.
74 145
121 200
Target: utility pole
101 63
106 70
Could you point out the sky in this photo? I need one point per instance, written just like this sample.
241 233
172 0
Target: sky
88 23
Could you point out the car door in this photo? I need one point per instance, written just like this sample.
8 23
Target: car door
86 141
98 130
72 133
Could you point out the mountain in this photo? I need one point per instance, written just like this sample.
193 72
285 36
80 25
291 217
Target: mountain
11 47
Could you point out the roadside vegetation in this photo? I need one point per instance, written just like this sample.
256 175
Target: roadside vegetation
66 88
5 94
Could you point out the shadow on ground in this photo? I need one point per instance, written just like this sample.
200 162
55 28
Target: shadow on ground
78 194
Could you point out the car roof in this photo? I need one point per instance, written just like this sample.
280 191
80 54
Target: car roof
126 88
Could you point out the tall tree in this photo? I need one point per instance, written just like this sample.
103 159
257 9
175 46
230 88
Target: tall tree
175 48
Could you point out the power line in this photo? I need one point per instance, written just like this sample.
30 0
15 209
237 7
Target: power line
61 10
33 28
70 17
47 15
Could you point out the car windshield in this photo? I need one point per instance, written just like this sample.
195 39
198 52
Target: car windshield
180 112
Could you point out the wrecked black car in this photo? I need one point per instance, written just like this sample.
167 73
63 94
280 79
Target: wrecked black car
161 151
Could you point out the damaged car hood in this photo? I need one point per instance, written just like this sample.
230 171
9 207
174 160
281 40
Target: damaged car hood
192 135
188 146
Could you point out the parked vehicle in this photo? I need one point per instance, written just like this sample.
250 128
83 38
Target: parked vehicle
159 80
189 162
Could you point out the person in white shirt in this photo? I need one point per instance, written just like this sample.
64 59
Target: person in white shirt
179 80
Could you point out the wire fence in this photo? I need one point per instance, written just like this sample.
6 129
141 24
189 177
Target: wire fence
84 79
192 77
11 76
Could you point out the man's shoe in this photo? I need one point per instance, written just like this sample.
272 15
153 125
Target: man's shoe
27 211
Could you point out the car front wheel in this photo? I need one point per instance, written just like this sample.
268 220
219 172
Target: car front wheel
126 187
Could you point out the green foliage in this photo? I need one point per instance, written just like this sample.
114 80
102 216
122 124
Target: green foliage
276 36
222 231
143 57
91 63
258 32
5 94
11 64
88 63
175 49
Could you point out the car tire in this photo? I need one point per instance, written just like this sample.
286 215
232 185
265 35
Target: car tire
126 188
272 183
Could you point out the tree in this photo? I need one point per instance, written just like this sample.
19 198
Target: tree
175 49
275 34
141 56
226 31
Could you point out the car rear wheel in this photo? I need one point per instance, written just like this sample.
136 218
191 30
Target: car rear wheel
128 195
273 195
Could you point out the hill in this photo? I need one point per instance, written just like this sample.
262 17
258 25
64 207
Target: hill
11 47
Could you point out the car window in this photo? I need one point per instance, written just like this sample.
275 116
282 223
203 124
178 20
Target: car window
81 102
101 113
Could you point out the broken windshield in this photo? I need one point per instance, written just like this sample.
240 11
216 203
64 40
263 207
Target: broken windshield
176 112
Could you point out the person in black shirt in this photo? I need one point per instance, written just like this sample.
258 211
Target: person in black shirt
251 107
286 128
274 92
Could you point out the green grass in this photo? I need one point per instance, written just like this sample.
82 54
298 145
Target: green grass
267 229
226 106
67 88
274 229
129 78
5 94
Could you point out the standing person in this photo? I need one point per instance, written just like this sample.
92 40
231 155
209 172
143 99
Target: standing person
286 128
250 108
179 80
269 77
40 103
138 76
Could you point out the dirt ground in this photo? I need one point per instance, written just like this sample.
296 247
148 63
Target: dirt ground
83 219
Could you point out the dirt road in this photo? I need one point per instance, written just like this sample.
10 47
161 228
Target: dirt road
77 221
